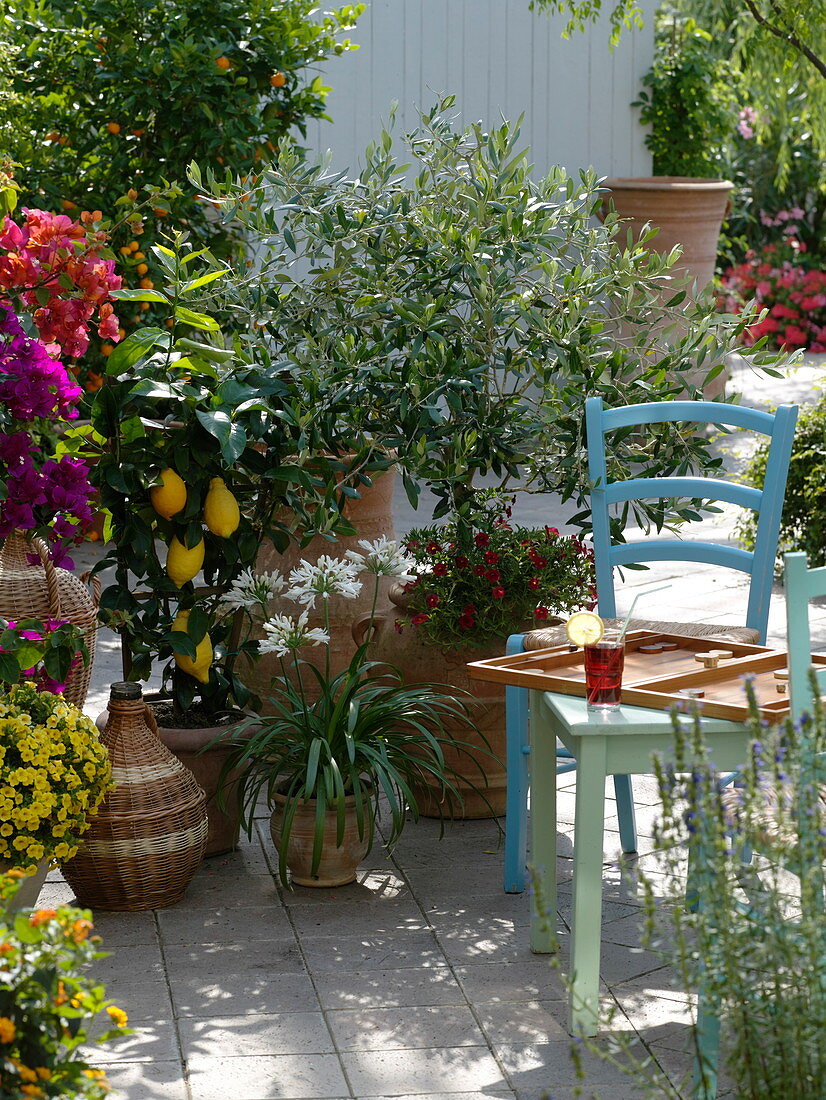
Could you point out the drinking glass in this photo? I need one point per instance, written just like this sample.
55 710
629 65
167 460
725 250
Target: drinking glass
604 661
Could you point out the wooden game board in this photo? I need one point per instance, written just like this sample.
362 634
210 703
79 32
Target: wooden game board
661 671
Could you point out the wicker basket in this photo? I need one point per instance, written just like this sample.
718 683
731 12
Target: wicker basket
148 837
44 592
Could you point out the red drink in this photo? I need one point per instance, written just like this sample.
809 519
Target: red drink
604 663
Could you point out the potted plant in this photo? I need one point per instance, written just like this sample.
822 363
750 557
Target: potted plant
53 776
47 1007
324 762
476 583
201 452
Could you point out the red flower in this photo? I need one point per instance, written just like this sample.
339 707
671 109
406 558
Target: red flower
482 539
494 576
542 612
433 548
552 532
497 593
432 600
398 626
479 571
469 609
461 562
466 622
534 583
538 561
440 569
417 620
491 557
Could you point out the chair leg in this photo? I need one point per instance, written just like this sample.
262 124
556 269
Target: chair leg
516 800
625 811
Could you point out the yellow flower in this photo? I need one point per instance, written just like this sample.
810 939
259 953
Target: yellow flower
7 1029
119 1017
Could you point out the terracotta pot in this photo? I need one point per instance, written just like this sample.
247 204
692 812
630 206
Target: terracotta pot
190 747
29 889
482 778
688 212
339 864
371 516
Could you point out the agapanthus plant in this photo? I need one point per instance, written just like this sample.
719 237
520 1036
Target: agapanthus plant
359 734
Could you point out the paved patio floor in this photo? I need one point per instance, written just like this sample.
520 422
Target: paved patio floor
417 980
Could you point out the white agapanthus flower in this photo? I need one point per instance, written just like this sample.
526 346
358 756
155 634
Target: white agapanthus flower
253 589
384 558
285 634
328 577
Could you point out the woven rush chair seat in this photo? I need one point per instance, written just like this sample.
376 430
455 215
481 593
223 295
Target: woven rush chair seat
547 637
772 831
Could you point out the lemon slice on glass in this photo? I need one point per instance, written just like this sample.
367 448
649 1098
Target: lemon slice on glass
584 628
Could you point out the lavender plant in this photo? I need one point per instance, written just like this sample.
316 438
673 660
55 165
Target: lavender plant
750 937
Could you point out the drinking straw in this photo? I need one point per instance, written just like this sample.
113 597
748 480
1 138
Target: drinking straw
650 592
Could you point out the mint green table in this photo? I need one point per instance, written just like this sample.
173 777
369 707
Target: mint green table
602 745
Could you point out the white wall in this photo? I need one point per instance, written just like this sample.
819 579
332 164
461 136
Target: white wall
497 57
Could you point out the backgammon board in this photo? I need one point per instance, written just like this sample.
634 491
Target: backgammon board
662 671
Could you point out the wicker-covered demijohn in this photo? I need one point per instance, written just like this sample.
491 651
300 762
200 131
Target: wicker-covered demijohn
42 591
148 837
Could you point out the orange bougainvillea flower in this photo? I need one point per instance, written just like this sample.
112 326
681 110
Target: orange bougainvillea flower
223 62
278 80
67 204
7 1029
94 382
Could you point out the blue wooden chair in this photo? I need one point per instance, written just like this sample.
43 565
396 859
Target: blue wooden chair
757 564
802 585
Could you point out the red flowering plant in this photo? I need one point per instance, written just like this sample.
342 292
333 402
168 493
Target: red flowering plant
484 579
778 279
55 282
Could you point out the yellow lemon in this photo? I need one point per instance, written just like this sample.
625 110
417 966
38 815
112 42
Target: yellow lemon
584 628
183 564
221 512
200 665
169 497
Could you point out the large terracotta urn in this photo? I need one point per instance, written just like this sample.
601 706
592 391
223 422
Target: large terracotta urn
478 759
688 213
371 515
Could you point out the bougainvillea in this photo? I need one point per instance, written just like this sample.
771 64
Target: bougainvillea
502 579
56 267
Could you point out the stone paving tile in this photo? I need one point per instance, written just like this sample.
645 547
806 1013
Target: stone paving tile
233 924
391 915
266 1077
249 993
549 1066
372 885
531 978
151 1041
525 1022
118 929
449 1095
262 957
410 1027
388 988
146 1080
281 1032
216 887
380 952
388 1072
144 959
139 1000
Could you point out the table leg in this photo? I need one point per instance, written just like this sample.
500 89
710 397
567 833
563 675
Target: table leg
586 921
543 827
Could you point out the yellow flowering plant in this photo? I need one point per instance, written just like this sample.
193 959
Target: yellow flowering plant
54 773
47 1003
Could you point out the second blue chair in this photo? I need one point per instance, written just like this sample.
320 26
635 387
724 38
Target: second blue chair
606 494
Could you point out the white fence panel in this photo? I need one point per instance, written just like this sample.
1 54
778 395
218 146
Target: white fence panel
499 58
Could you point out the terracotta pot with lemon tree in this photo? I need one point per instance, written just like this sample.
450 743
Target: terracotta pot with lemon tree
193 439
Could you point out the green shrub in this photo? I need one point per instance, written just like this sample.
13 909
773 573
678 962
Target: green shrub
803 526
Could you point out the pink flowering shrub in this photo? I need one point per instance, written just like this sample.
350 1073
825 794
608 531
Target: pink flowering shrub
777 279
52 269
55 266
40 651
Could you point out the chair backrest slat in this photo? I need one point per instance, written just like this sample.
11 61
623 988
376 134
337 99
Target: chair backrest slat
802 584
767 503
